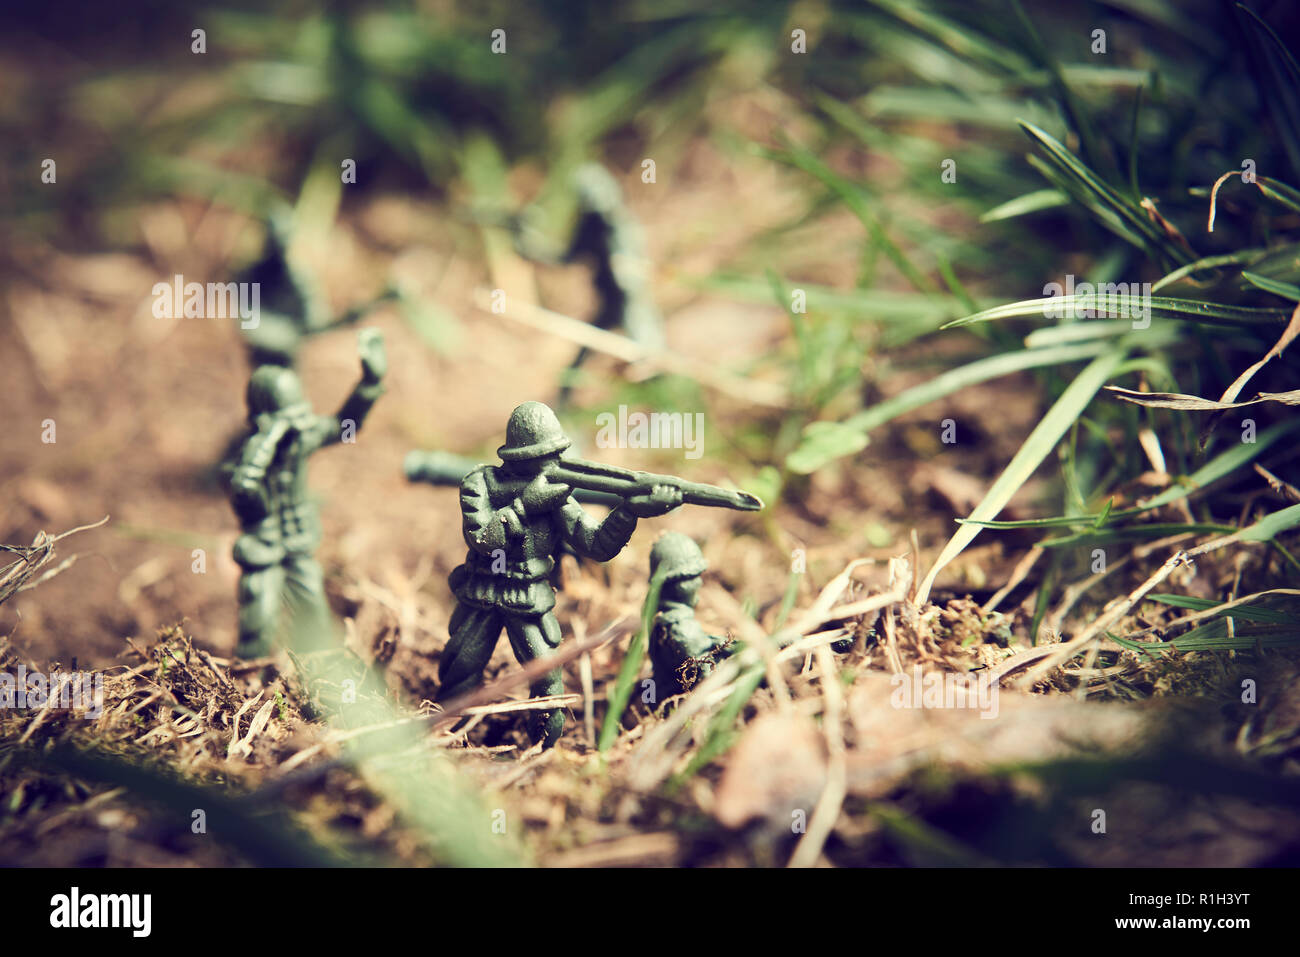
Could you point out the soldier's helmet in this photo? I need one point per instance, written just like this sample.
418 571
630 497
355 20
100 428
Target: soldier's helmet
678 556
533 431
272 389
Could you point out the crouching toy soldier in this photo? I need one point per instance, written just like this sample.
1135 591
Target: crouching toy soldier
681 651
280 522
516 517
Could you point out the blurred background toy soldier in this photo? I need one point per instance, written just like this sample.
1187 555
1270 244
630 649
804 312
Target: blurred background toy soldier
609 238
292 304
280 522
682 652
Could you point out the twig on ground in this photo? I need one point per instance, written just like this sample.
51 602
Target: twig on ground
621 347
1018 574
827 811
1059 654
1285 489
15 576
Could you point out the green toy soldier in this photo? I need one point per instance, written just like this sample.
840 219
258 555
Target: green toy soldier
607 236
280 522
293 306
515 518
613 241
681 651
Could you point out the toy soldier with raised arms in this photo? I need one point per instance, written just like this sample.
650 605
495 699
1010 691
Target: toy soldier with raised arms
682 652
515 518
606 235
268 488
293 305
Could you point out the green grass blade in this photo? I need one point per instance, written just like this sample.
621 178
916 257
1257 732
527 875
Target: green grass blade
1034 202
825 441
721 732
1280 82
1162 307
854 197
1279 192
267 836
1091 190
1278 288
1044 438
1074 112
1220 466
1209 262
627 674
1249 612
877 305
1244 640
1133 533
1269 527
1077 332
955 37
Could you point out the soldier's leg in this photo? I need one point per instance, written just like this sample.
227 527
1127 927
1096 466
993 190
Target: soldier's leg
311 626
531 638
474 633
260 597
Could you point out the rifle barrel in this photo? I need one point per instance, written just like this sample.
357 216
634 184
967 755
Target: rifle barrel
624 482
448 469
593 483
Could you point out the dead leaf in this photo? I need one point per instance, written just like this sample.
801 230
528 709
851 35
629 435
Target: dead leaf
1194 403
778 767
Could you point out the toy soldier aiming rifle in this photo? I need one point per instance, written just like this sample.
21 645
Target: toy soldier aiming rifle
516 516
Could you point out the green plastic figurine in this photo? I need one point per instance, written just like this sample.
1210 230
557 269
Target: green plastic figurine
608 237
293 306
279 520
515 518
682 652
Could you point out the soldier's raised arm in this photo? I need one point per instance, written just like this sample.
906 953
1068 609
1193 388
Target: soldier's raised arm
374 365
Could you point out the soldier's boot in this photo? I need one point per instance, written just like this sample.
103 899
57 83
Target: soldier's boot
474 633
533 638
260 598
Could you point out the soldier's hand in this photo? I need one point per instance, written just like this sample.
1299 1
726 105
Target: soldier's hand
543 495
661 500
374 362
